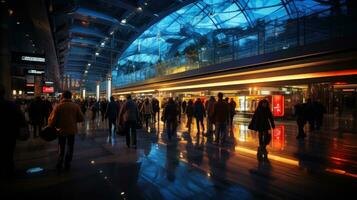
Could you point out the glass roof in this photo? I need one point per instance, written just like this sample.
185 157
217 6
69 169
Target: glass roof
197 20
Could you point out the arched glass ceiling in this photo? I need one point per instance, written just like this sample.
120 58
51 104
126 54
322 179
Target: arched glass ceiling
175 31
206 21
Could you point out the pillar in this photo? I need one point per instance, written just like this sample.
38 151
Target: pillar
97 91
83 93
109 87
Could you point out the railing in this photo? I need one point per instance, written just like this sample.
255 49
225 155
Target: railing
266 37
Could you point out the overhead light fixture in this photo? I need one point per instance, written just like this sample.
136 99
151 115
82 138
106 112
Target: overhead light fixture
102 44
140 8
96 53
123 21
86 71
111 33
89 64
145 4
11 12
17 22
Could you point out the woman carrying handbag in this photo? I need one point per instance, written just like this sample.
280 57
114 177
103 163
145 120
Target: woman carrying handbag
262 122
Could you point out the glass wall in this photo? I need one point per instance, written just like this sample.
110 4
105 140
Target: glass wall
214 31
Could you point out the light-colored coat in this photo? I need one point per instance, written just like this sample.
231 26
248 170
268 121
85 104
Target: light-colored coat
65 117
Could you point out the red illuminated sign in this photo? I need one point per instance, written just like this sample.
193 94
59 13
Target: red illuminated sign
47 89
278 140
278 105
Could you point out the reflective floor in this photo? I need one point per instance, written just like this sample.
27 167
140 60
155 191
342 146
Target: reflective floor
324 165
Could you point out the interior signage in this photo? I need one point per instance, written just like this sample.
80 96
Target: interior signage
46 89
32 59
26 58
278 105
35 71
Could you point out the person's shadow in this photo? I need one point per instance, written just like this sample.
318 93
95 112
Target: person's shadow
172 160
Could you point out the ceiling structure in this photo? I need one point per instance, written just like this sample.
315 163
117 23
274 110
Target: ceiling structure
91 34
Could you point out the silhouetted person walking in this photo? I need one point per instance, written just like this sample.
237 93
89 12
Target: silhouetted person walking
300 120
65 117
232 111
210 121
155 109
220 117
36 114
189 113
170 117
128 117
262 122
146 109
10 122
199 113
112 113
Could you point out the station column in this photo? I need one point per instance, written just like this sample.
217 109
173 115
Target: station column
109 87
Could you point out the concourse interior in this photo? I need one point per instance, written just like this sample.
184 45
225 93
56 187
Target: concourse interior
79 77
321 166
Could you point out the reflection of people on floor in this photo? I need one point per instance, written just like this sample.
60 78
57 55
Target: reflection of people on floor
172 160
217 161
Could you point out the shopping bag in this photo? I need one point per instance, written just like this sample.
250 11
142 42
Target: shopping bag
120 130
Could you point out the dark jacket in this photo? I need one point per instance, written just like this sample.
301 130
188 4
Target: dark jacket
11 120
220 112
155 105
171 112
112 110
199 110
36 112
262 120
128 112
189 110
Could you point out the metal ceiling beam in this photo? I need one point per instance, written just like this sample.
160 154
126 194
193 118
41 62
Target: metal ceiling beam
127 6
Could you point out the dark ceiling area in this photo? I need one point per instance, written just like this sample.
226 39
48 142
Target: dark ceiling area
90 35
27 30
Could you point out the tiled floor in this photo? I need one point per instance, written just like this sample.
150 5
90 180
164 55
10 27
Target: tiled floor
324 165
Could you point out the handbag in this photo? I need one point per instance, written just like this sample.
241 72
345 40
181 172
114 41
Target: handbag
49 133
120 130
253 123
24 133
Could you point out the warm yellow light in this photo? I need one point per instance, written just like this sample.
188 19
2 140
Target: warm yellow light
342 172
267 79
271 156
13 92
20 92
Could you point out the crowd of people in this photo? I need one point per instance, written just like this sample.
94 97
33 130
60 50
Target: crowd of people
125 116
